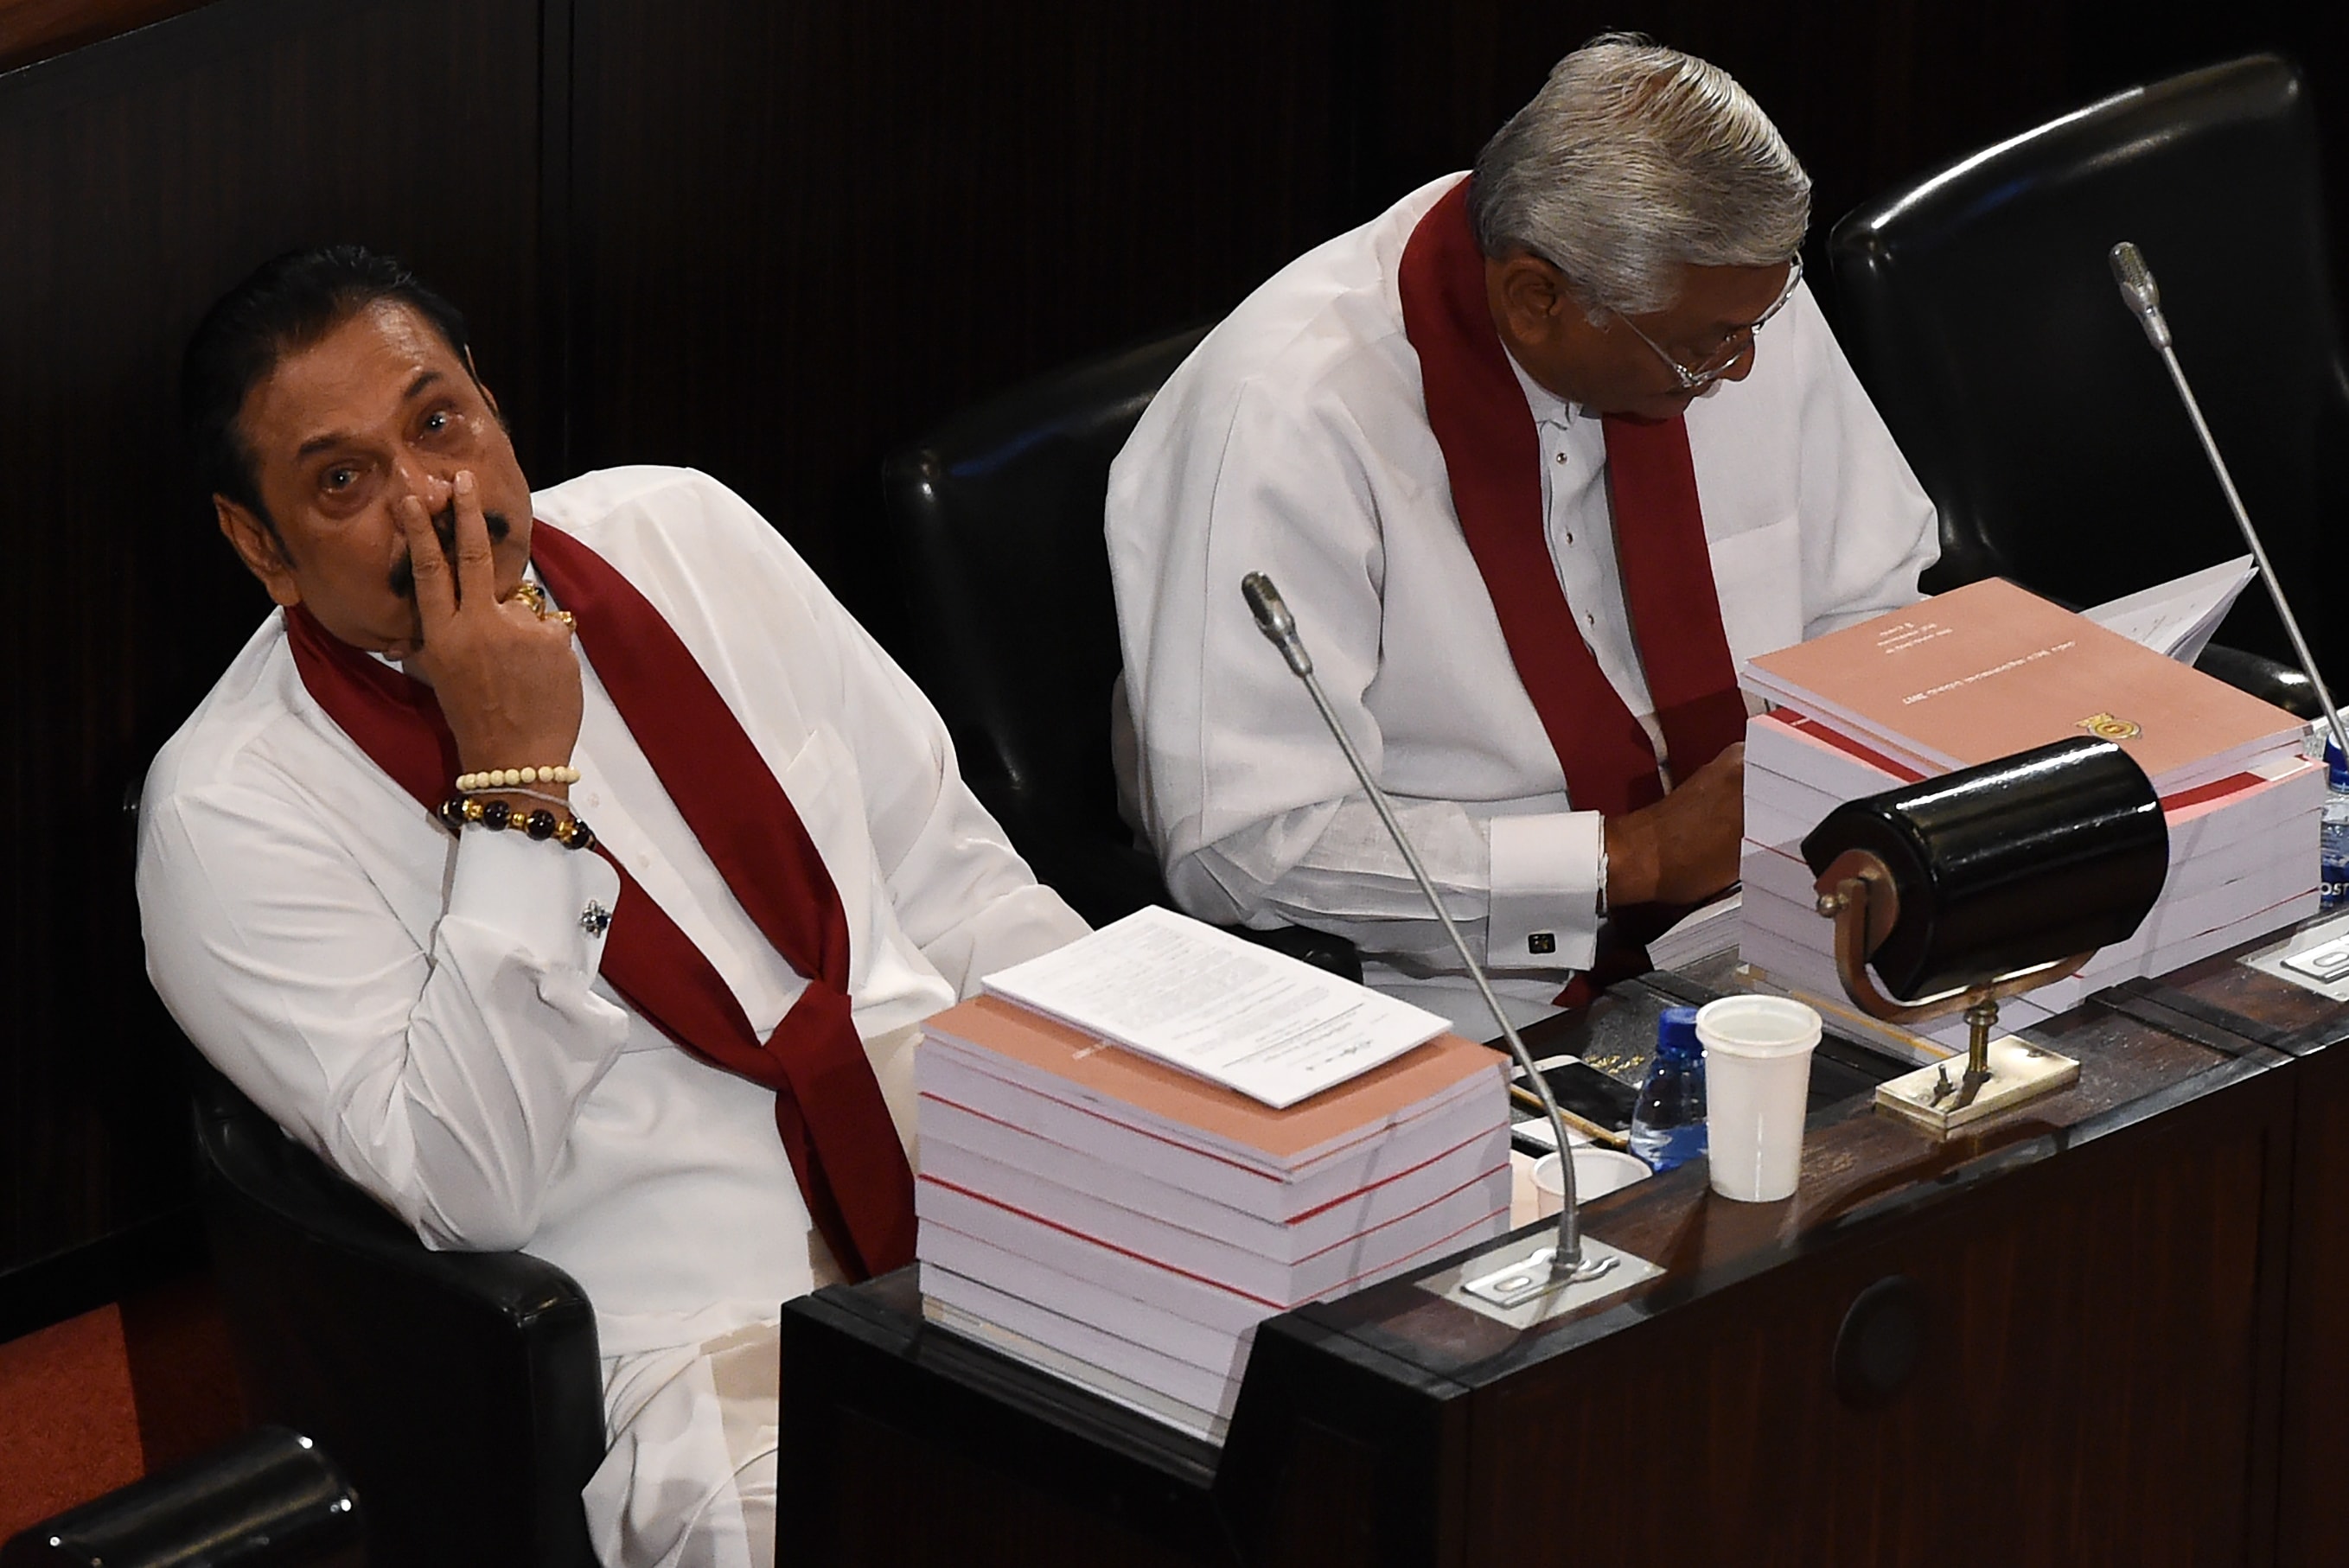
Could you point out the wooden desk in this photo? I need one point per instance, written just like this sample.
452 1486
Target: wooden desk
2120 1293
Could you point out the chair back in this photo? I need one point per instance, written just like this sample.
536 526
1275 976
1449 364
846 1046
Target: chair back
461 1392
997 519
1980 312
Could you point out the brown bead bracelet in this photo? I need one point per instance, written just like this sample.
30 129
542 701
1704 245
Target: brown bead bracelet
568 830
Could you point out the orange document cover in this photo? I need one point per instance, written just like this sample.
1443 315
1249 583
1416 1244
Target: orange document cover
1094 1069
1990 669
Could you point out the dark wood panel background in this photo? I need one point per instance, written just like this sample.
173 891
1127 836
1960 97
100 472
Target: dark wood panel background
769 241
138 178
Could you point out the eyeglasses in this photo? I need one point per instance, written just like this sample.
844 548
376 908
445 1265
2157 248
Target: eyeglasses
1733 347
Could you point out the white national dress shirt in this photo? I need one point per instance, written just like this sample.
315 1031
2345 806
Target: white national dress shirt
424 1010
1295 441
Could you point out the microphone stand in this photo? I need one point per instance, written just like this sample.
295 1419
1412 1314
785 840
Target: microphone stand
2143 296
1568 1264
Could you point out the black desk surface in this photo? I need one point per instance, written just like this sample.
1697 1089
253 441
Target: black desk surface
2146 1048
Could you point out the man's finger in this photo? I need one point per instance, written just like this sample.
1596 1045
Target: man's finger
435 595
477 573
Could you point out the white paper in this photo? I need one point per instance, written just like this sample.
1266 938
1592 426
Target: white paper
1702 931
2178 617
1260 1022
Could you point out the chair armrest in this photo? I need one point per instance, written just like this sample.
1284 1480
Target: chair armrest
462 1392
270 1172
2270 680
269 1500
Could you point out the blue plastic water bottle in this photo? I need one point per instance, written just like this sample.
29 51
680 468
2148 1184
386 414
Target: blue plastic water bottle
2335 845
1668 1118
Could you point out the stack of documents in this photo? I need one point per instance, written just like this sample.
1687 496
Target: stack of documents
1091 1209
1982 673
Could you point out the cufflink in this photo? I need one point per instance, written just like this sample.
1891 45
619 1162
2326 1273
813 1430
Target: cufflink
1542 944
595 920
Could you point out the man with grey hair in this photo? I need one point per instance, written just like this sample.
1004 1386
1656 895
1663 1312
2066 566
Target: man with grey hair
1533 481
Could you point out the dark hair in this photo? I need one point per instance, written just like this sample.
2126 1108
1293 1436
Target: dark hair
285 305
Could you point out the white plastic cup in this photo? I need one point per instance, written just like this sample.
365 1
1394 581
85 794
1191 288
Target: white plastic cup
1596 1172
1757 1085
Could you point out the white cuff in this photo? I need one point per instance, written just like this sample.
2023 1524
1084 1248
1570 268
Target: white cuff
533 890
1545 879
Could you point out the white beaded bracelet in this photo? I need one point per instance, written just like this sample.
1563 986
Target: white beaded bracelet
507 778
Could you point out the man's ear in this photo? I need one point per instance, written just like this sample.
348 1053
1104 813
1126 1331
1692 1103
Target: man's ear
258 546
1531 295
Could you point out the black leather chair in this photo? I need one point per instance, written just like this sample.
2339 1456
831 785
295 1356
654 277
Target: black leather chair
1980 310
997 521
271 1498
461 1392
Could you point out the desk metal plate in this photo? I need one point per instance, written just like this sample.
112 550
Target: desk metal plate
1453 1284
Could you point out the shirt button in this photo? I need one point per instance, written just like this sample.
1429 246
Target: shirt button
1561 456
1591 620
1569 537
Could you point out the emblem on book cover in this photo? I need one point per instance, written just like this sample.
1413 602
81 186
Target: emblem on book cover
2105 727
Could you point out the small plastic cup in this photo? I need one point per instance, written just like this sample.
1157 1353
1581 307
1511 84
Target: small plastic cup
1757 1079
1596 1172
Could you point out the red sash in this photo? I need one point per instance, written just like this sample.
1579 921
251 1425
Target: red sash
829 1110
1493 455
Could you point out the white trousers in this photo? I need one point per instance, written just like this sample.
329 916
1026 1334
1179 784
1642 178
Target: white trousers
689 1482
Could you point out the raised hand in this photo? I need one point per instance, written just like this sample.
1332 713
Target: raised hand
507 680
1684 849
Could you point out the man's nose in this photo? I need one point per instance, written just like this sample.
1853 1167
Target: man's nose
427 484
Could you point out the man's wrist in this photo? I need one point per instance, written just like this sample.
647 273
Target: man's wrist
1628 856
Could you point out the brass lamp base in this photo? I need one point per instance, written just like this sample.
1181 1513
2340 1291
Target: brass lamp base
1857 892
2018 1072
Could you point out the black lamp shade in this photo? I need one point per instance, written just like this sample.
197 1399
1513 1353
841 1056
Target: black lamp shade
2018 862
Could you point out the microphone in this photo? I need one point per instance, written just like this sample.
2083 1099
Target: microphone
1567 1266
1273 619
2143 296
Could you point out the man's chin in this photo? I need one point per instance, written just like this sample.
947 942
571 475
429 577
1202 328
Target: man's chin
1659 410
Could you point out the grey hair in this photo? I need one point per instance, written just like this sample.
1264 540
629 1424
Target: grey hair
1633 161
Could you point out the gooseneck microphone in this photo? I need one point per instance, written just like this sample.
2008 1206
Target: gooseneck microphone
2138 289
2143 296
1567 1265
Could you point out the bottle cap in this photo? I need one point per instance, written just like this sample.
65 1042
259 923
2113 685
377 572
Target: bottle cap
2336 766
1676 1035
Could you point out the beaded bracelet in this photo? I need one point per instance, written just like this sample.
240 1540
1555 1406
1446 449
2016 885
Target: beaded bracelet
569 831
507 778
557 801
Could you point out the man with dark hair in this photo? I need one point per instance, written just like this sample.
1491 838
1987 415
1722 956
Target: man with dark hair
670 1051
1537 457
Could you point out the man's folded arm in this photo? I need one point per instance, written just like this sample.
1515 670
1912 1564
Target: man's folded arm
1522 890
1257 818
442 1079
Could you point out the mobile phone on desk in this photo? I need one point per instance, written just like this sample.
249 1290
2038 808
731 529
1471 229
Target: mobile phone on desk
1583 1093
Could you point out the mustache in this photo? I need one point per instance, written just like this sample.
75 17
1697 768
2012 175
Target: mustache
444 528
